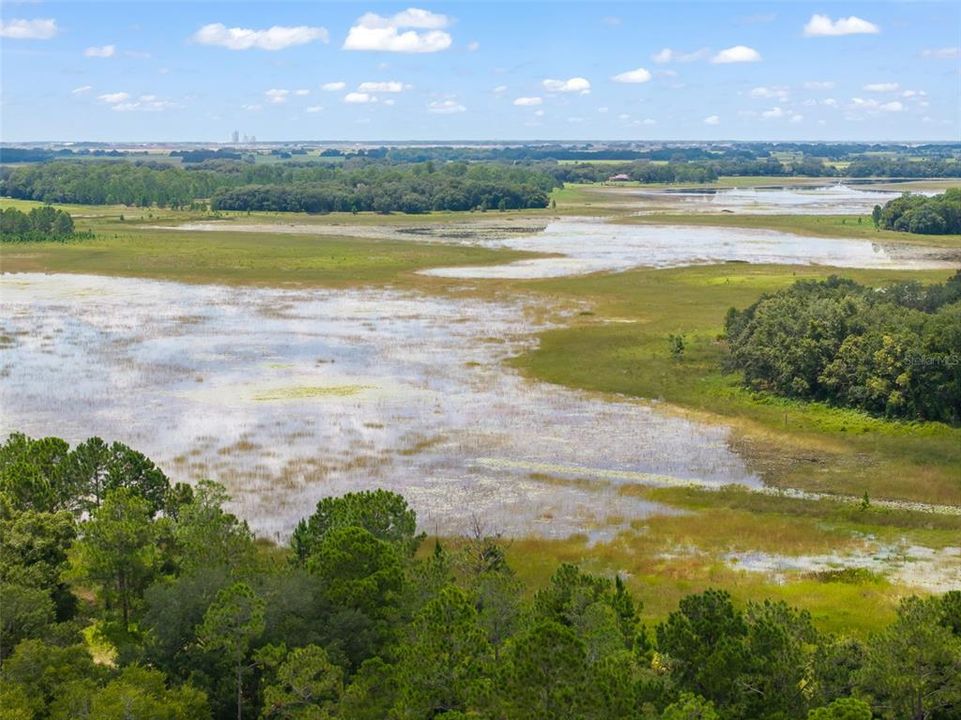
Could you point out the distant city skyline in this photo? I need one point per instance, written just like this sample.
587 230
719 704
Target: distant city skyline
226 72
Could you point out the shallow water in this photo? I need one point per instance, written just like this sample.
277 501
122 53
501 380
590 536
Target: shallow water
835 199
288 396
592 246
913 565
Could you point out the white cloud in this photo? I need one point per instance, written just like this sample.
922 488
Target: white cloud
277 96
277 37
315 108
873 106
40 29
797 118
603 109
712 120
913 93
736 54
389 101
819 85
638 75
145 103
375 32
389 86
499 89
778 92
114 98
359 98
539 113
830 102
667 55
528 101
333 86
882 87
948 53
823 26
101 52
445 107
253 108
473 46
123 102
773 113
574 84
302 92
81 90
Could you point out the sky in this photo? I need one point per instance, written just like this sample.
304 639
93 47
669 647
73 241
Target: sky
197 71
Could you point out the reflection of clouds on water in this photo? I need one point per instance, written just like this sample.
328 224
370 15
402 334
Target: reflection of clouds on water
287 396
594 246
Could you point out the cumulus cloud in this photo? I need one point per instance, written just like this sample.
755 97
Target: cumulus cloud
40 29
124 102
882 87
948 53
101 52
114 98
302 92
712 120
823 26
778 92
315 108
638 75
445 107
145 103
574 84
473 46
736 54
667 55
528 101
82 89
389 86
277 96
359 98
773 113
333 86
819 85
411 31
277 37
499 89
873 106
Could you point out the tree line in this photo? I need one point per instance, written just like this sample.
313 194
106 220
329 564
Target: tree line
39 224
936 215
283 186
894 352
127 597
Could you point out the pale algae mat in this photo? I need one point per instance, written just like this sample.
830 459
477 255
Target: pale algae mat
289 396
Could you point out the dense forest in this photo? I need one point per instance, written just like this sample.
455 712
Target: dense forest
40 224
314 187
126 597
937 215
894 351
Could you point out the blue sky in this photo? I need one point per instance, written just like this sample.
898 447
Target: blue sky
171 71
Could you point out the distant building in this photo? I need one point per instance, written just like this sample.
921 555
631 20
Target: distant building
620 177
235 137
